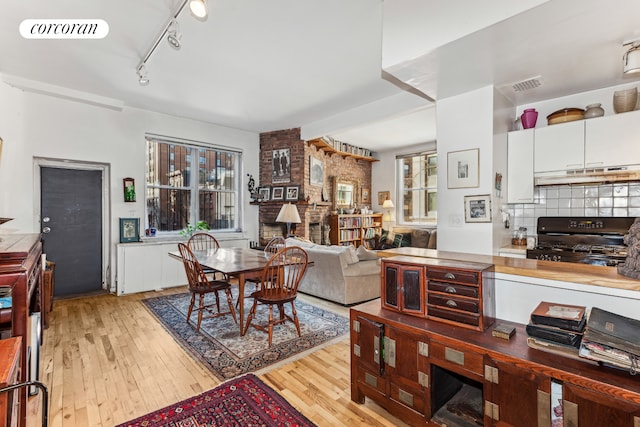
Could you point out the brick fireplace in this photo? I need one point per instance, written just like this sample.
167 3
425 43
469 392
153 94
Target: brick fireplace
312 208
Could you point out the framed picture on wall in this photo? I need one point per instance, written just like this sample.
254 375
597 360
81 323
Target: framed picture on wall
292 193
281 160
477 208
463 169
365 196
129 230
277 193
316 171
264 193
382 196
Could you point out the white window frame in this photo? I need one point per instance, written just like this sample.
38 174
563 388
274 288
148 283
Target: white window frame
432 218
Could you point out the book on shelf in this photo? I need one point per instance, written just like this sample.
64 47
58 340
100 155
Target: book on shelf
569 317
613 330
503 331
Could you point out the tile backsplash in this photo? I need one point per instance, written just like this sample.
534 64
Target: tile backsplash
619 199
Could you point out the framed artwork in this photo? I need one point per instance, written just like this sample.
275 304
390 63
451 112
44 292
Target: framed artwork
277 193
129 230
281 160
463 169
365 197
477 208
292 193
129 185
316 174
264 193
382 196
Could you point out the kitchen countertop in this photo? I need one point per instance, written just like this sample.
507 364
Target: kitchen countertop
514 249
550 270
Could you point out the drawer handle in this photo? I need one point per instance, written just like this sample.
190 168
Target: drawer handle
449 276
451 303
450 289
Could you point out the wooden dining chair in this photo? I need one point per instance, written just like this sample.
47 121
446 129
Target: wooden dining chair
203 241
278 286
200 284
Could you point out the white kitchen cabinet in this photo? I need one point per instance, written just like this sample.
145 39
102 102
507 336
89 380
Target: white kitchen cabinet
520 166
613 140
559 147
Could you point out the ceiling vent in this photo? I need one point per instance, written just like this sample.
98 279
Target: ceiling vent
528 84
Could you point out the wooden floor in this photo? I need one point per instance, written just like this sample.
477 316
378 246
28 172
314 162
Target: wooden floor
106 360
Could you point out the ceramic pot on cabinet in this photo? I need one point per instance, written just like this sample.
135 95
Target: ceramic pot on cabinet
529 118
593 110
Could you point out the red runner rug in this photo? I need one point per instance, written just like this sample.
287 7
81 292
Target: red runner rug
242 401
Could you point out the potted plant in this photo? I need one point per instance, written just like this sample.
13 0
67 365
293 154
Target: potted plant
190 229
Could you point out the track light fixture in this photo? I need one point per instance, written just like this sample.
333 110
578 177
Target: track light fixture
198 9
172 30
174 35
142 75
631 58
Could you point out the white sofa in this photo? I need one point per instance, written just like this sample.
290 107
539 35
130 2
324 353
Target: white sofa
337 273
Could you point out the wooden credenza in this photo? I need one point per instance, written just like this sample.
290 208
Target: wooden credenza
432 373
21 270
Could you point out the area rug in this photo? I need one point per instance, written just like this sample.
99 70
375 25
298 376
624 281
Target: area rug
243 401
219 344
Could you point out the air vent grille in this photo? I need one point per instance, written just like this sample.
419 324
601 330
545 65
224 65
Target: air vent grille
527 84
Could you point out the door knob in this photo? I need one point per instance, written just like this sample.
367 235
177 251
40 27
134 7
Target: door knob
46 229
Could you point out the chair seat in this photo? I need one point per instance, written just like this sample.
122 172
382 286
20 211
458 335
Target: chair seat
212 286
273 297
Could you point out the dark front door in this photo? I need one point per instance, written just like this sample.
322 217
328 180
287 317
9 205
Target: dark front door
71 225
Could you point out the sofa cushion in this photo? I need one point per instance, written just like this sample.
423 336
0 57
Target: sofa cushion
363 268
401 239
365 254
420 238
352 255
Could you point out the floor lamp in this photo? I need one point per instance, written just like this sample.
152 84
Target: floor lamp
289 214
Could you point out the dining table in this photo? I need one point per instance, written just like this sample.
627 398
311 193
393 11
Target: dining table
241 263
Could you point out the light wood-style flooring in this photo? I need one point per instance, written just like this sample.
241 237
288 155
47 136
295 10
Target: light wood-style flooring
106 360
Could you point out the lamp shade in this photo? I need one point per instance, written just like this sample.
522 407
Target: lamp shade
198 9
388 204
289 214
631 60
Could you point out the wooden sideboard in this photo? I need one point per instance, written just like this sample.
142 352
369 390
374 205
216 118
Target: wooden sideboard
21 270
432 373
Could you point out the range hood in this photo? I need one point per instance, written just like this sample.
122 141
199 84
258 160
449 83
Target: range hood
589 176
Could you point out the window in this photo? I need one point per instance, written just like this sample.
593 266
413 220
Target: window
180 192
418 190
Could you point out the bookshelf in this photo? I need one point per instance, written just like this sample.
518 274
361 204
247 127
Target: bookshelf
331 146
355 229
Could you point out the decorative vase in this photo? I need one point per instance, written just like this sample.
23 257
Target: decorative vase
529 118
625 100
593 110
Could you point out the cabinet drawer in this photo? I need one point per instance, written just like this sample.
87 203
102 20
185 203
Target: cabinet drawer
446 301
453 275
372 380
453 356
407 396
437 313
453 288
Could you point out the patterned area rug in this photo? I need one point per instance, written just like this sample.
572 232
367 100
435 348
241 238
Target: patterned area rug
243 401
220 346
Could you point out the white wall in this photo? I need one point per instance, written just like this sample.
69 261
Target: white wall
34 125
465 122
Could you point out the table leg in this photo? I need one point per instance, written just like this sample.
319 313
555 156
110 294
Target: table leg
241 302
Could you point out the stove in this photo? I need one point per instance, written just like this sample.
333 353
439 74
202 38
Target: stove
595 241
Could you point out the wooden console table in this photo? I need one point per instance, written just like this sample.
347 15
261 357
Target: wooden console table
431 373
21 270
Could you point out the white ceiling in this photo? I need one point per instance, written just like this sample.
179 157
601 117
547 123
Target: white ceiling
268 65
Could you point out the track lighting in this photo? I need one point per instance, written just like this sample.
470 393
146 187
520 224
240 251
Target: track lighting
198 9
142 76
631 58
174 35
172 31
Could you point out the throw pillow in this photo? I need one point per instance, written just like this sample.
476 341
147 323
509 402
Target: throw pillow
420 238
352 256
383 242
365 254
